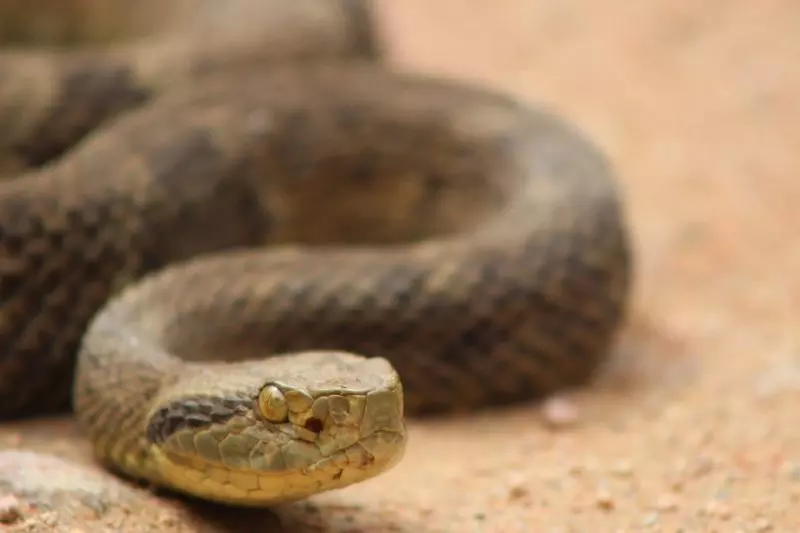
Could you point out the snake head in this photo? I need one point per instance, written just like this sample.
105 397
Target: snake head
320 421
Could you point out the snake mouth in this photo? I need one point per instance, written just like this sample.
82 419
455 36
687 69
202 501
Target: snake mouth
260 487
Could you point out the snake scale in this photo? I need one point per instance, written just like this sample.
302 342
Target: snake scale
395 243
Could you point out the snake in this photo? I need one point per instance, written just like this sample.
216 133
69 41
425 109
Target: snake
244 285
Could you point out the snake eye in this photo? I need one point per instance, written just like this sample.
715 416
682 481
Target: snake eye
272 404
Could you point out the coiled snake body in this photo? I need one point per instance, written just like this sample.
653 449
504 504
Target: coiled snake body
420 230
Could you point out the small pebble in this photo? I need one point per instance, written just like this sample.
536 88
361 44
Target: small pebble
666 503
622 469
650 520
167 521
701 467
762 525
560 412
718 509
517 492
10 509
604 500
576 470
793 471
676 484
49 519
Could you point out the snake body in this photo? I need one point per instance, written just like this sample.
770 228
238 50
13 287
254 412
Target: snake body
431 246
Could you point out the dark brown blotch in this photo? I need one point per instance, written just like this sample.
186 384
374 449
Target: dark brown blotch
193 413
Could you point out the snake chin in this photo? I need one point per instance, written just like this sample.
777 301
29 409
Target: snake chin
287 441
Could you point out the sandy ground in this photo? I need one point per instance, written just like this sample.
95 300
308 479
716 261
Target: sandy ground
695 426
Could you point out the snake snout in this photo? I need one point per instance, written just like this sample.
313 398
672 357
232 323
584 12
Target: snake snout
347 402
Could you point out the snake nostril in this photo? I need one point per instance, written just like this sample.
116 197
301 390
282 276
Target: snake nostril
313 424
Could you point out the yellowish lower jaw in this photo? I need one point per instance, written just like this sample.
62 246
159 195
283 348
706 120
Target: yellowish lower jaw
249 488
